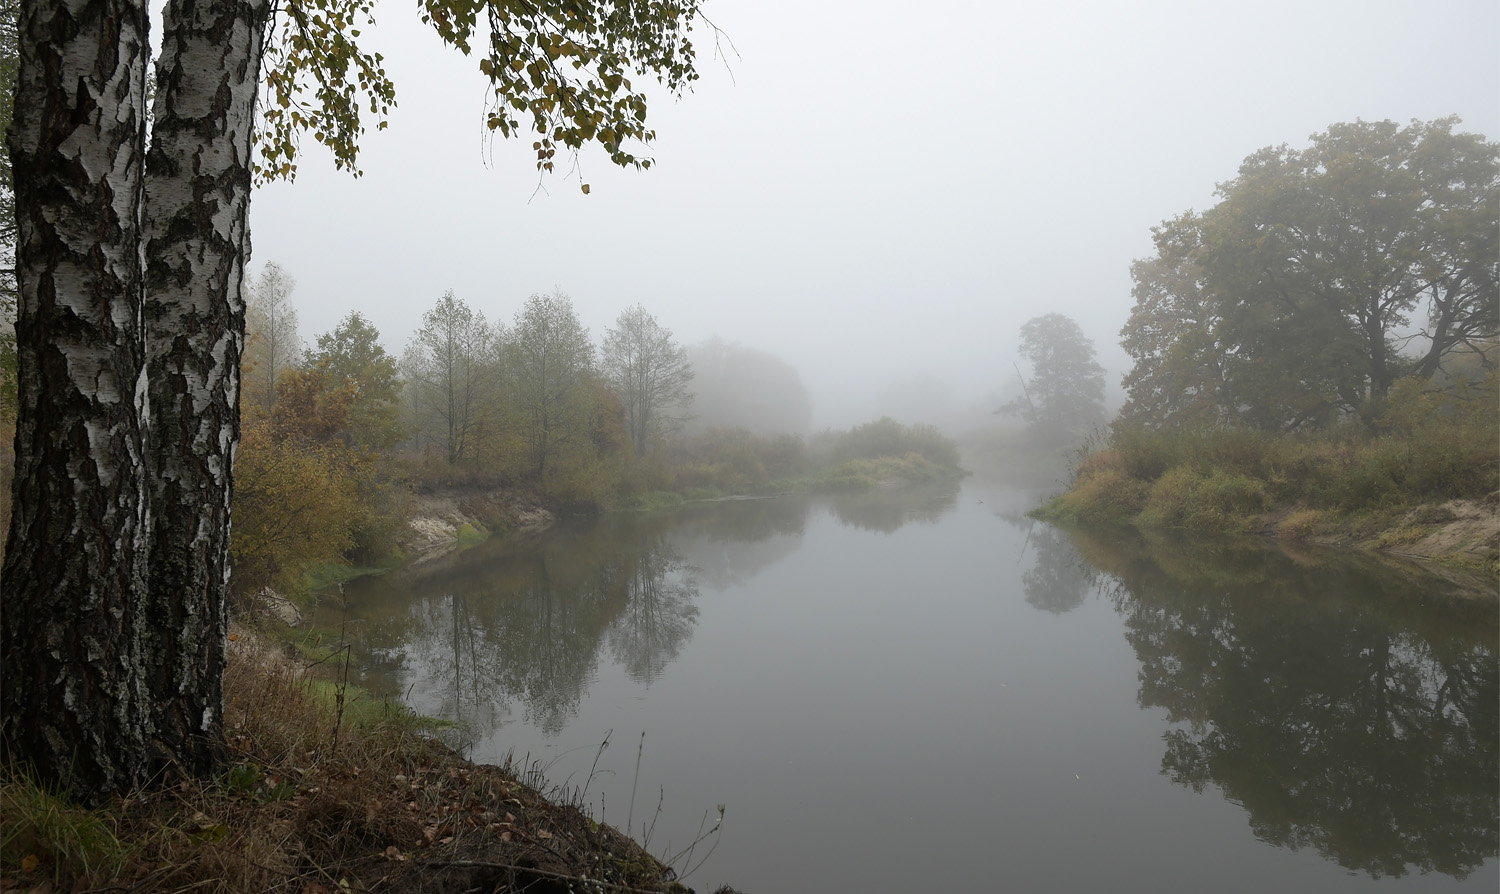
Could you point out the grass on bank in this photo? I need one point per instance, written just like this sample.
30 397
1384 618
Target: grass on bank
325 790
1229 480
327 575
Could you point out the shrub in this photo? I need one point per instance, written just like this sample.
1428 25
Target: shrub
1099 462
1218 501
886 437
1142 454
1172 500
1108 495
1230 495
1427 446
295 506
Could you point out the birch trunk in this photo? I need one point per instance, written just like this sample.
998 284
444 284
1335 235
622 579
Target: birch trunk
198 196
71 629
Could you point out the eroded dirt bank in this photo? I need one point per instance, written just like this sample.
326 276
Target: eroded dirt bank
443 520
1458 534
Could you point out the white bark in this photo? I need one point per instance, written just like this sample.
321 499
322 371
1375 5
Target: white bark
72 702
129 337
198 197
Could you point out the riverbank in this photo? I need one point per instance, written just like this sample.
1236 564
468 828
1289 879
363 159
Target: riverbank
1399 497
441 521
1461 533
324 790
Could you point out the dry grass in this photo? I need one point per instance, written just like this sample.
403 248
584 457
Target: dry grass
1299 525
325 791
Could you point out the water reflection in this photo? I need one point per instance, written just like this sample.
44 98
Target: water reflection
886 509
729 542
1058 579
524 624
1320 694
659 613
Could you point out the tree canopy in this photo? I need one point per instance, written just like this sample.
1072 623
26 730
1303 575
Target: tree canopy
353 357
1065 395
549 362
272 343
561 69
1321 277
450 369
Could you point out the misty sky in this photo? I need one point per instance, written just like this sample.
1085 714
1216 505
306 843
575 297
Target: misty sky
874 192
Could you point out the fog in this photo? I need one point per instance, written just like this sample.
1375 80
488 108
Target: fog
877 196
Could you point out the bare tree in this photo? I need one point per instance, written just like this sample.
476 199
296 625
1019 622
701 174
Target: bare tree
550 361
649 371
449 366
272 343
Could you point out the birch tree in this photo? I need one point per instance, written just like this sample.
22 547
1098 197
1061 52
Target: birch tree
648 370
74 644
130 328
550 363
9 14
450 367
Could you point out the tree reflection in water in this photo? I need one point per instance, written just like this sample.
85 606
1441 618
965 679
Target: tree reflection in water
525 622
659 616
1320 693
1059 579
885 509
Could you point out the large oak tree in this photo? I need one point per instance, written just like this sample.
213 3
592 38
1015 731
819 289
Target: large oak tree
1321 277
131 322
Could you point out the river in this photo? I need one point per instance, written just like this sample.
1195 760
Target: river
923 690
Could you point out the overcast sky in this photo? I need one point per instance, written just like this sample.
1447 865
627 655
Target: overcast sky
871 191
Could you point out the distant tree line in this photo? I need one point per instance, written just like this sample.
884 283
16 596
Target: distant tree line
337 436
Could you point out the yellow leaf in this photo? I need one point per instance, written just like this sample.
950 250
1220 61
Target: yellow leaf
29 863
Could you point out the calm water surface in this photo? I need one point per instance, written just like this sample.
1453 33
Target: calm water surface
923 690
